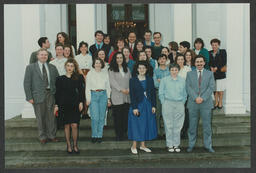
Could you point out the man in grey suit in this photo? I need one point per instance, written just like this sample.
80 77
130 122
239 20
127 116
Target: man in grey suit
39 86
200 86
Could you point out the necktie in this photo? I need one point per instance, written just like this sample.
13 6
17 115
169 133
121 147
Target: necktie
199 80
45 77
131 48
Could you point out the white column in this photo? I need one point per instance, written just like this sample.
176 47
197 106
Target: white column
30 34
101 17
85 19
160 21
235 57
182 21
13 62
246 65
55 21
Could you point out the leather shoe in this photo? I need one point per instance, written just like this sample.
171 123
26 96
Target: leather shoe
210 150
76 151
94 140
43 141
171 149
99 140
54 140
134 150
215 107
145 149
219 107
189 150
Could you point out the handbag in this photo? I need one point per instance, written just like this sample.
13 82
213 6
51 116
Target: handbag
223 69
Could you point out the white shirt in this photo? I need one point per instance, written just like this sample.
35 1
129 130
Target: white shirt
97 80
197 51
84 62
131 45
121 70
47 71
60 65
198 73
183 72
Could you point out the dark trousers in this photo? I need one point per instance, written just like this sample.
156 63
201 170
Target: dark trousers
46 120
184 129
120 114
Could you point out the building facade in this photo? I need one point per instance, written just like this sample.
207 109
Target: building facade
24 24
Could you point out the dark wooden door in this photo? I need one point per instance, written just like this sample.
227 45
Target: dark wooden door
72 24
123 18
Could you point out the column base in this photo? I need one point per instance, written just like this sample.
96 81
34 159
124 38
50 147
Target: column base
234 109
28 111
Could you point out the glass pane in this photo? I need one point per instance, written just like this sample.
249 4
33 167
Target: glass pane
138 12
118 12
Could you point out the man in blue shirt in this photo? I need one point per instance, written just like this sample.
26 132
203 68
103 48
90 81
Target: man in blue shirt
148 37
159 73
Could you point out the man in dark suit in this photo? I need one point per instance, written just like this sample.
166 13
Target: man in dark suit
99 44
44 43
39 86
132 41
200 86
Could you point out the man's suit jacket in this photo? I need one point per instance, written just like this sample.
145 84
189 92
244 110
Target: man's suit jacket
206 89
34 84
93 49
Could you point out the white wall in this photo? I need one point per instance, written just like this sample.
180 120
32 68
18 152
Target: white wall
174 21
55 20
20 41
246 58
211 23
86 23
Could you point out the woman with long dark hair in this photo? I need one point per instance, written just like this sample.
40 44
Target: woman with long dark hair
190 58
69 98
119 76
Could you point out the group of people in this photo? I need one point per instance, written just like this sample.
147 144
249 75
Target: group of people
143 82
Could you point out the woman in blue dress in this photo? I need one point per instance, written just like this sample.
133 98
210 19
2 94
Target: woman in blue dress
142 118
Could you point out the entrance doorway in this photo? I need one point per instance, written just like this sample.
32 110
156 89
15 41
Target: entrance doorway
123 18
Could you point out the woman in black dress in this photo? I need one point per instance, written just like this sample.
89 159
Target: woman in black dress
69 98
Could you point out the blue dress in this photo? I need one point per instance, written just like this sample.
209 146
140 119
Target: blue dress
142 128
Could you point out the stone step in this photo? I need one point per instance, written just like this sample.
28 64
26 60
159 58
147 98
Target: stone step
31 122
224 157
32 144
218 128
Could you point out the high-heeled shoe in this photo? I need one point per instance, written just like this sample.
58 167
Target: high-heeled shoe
69 152
76 151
